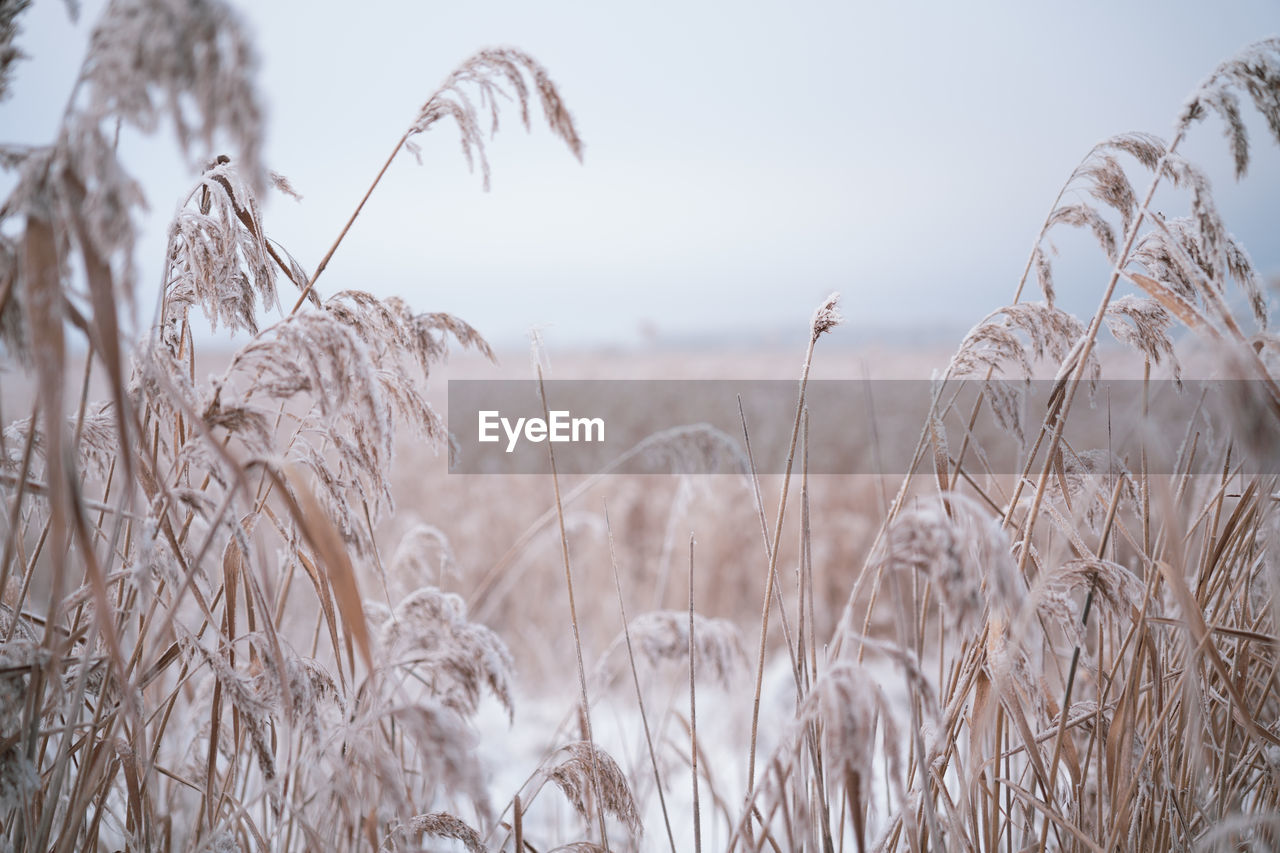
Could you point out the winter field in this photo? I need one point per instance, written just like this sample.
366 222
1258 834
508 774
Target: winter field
245 604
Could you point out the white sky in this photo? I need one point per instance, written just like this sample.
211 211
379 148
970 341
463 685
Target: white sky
743 159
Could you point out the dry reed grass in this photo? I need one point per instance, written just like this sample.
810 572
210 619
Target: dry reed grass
1079 657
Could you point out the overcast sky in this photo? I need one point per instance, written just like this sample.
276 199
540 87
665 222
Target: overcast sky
742 159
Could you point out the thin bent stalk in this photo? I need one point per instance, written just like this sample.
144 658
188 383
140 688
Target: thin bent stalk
635 678
324 262
693 713
573 618
825 319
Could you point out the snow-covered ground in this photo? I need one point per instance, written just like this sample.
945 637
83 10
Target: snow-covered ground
546 719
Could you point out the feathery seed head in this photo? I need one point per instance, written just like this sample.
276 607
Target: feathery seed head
826 318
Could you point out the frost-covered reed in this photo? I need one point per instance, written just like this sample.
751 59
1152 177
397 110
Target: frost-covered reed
210 638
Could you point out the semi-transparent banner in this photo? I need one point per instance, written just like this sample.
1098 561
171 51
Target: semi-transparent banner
860 426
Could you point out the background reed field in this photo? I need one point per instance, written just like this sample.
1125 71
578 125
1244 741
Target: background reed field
245 606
